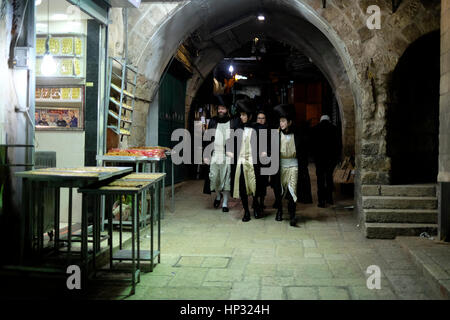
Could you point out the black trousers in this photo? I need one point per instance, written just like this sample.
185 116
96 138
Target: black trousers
243 192
325 182
292 205
304 185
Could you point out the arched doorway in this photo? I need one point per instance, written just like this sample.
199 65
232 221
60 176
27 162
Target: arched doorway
413 117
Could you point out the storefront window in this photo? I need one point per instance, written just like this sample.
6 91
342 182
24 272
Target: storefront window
70 74
61 31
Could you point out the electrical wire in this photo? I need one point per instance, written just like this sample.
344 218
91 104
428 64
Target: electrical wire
21 23
27 109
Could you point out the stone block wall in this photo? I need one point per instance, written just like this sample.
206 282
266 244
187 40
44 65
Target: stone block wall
444 136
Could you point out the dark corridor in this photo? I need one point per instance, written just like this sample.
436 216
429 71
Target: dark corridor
413 116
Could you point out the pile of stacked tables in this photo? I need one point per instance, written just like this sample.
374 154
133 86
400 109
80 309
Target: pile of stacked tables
94 182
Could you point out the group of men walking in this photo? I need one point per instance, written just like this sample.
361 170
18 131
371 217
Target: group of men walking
234 171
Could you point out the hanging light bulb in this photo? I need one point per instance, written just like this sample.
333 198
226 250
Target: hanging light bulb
231 69
48 66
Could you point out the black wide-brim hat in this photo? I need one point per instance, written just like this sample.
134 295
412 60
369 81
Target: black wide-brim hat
245 105
222 100
285 111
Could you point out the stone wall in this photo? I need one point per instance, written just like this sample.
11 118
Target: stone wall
15 128
444 136
15 125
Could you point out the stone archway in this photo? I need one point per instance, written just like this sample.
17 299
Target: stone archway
292 22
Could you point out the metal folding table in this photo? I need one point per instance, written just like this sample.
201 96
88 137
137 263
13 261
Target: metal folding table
34 183
136 185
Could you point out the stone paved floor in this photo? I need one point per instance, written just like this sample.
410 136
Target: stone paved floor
432 257
208 254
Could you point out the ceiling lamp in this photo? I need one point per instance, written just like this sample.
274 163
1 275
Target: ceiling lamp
261 17
231 69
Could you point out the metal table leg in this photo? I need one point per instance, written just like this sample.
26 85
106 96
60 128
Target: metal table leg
95 233
26 227
133 246
69 234
120 222
139 236
84 244
164 188
173 189
102 209
56 221
159 220
151 233
108 209
40 220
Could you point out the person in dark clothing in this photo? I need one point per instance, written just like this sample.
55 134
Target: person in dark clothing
245 168
260 125
326 151
304 182
219 171
61 122
291 155
73 120
43 121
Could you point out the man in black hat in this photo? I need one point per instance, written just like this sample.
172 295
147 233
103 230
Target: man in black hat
219 178
246 171
291 154
326 150
260 126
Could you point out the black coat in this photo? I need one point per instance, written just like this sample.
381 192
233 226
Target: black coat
326 144
213 125
260 186
304 183
262 180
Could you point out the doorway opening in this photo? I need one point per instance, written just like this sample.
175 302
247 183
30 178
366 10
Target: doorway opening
413 117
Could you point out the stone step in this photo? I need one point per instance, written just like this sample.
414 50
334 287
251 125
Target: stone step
391 230
380 202
413 190
401 215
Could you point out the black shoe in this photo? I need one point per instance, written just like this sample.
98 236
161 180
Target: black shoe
293 222
225 209
279 216
216 203
321 204
256 208
261 204
246 217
